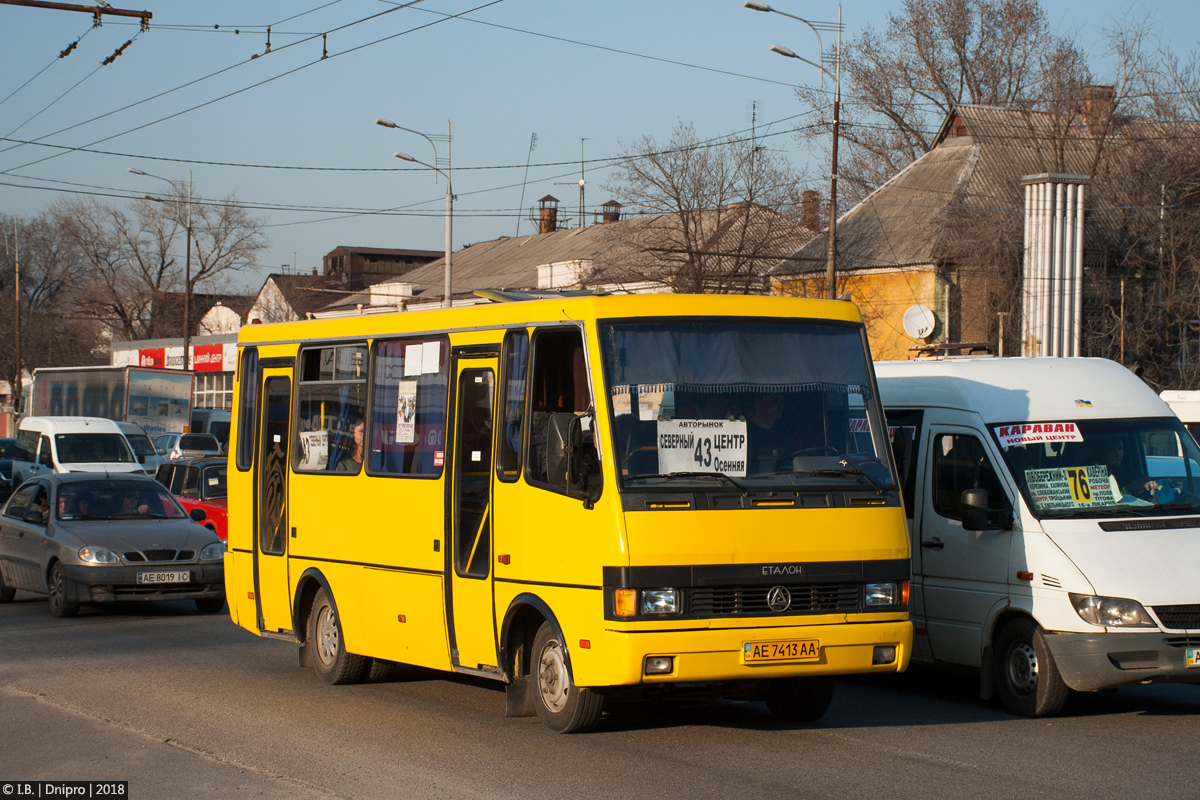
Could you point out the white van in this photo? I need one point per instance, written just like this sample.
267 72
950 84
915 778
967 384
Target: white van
1186 406
1054 509
73 444
143 448
212 420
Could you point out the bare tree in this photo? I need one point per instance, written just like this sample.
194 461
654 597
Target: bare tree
136 262
717 215
50 334
899 84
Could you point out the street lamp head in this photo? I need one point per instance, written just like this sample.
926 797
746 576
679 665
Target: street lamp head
387 123
405 157
754 5
136 171
783 51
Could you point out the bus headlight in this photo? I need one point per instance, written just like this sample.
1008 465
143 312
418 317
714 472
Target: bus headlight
660 601
882 594
1111 612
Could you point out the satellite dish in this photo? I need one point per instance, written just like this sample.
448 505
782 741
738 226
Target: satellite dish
919 321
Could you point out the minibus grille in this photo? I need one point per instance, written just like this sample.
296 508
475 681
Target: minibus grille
807 598
1179 617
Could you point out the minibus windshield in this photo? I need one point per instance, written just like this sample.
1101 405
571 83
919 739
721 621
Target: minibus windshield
761 404
1105 467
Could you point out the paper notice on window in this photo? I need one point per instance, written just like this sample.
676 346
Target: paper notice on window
413 358
406 413
702 445
1070 488
314 449
431 361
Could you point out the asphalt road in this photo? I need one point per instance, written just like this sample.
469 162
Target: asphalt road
183 705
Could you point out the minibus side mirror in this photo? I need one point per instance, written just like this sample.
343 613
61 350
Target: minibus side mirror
975 512
564 449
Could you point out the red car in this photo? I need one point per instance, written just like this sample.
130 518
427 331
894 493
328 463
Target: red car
199 483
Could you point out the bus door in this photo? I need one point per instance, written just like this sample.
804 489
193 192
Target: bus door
469 590
272 589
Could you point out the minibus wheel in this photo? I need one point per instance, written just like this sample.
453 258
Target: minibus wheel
60 604
800 699
330 660
562 706
1027 679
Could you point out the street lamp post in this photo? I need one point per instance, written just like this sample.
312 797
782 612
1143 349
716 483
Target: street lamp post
386 123
831 239
187 264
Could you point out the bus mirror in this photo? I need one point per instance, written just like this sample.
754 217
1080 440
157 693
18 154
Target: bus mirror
975 513
564 440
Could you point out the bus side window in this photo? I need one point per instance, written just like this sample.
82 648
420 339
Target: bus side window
516 370
407 434
331 397
558 385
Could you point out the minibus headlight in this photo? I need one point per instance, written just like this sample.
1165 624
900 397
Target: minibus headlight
1111 612
98 555
660 601
882 594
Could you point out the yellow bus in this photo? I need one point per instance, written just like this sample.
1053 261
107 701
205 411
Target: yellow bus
584 497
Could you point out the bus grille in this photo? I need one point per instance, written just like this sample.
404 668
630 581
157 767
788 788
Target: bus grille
1179 617
732 601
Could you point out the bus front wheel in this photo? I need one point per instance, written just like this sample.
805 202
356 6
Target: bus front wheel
1027 678
330 660
562 706
800 699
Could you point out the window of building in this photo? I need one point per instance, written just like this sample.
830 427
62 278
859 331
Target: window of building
213 390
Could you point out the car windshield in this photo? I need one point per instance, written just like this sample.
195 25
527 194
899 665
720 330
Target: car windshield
755 404
140 444
212 482
84 448
1097 468
116 499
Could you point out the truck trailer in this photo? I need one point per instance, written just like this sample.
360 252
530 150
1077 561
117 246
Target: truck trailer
160 400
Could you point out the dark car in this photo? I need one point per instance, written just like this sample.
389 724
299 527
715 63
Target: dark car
10 449
199 483
95 538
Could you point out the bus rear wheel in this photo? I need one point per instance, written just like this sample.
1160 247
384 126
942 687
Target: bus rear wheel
800 699
562 706
330 659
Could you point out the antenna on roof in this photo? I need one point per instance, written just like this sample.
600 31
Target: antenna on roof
521 205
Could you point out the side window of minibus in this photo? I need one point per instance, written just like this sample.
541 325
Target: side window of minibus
558 385
516 371
332 394
960 463
45 457
407 434
903 429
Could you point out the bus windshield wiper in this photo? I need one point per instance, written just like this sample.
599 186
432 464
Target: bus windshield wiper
720 475
839 472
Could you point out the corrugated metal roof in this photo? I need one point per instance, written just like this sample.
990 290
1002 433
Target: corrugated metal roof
512 262
904 222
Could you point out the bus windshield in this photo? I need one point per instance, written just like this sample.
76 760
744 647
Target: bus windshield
1095 468
785 404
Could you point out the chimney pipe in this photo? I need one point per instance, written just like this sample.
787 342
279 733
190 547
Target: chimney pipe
811 214
548 214
612 211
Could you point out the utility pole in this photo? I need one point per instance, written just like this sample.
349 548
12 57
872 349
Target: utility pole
17 312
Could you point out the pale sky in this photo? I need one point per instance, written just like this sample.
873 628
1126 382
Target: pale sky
293 134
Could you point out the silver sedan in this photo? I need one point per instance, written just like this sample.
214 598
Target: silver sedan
95 538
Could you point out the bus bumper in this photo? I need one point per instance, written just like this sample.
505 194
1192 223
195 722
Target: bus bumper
738 654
